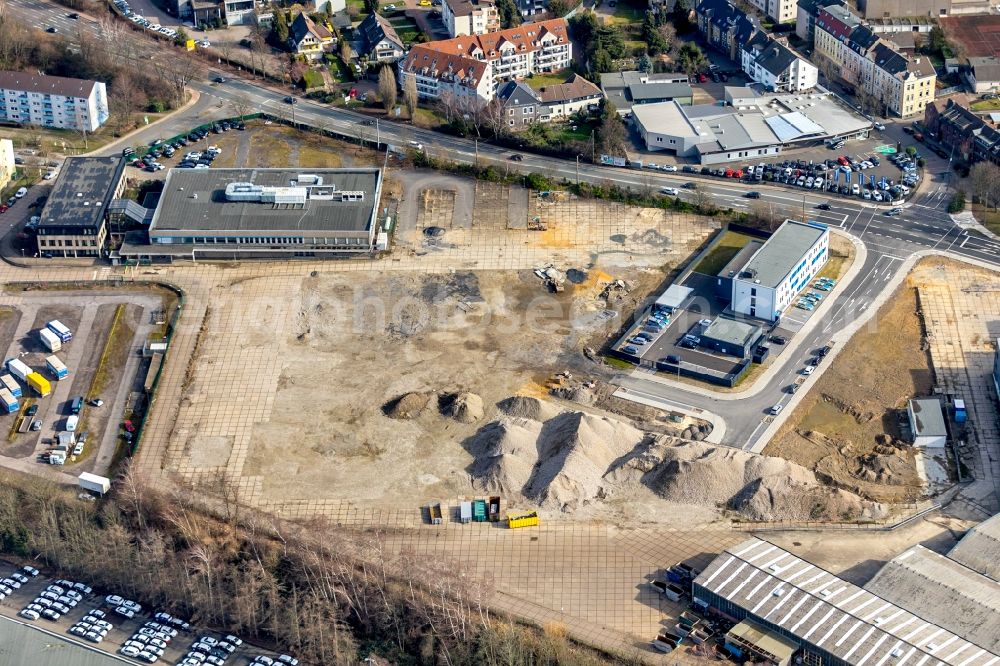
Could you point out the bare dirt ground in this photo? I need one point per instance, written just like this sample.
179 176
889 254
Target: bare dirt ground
846 429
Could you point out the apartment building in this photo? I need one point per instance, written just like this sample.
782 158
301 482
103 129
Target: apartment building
470 17
965 135
805 17
379 40
776 66
779 11
485 61
7 166
53 101
725 27
896 83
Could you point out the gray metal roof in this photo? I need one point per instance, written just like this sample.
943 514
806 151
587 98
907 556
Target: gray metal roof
27 644
928 418
194 201
855 625
664 91
82 191
979 549
945 592
732 331
780 253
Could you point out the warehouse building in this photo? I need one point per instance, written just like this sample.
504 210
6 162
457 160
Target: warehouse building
979 549
74 220
749 127
262 213
831 621
774 275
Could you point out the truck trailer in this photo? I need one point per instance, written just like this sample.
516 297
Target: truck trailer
94 483
8 401
56 367
40 384
57 327
8 382
49 340
19 369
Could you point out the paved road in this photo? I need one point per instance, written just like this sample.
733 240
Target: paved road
889 240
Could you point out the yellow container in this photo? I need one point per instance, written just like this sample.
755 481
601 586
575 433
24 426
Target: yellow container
40 384
517 519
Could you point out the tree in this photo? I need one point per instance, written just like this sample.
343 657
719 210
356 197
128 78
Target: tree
181 37
601 62
652 35
984 181
611 136
509 14
371 6
957 203
279 30
410 96
242 106
937 42
345 52
691 58
669 36
918 41
645 64
681 17
387 88
559 8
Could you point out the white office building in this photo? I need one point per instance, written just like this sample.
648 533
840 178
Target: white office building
53 101
774 275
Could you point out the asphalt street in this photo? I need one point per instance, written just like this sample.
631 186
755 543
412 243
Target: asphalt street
924 224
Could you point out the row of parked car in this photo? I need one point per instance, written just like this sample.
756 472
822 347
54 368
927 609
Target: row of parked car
126 9
53 602
651 329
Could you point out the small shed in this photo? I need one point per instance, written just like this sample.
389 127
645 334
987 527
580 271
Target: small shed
750 641
673 298
927 422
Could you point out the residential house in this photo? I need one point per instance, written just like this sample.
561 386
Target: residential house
309 39
379 40
624 89
439 73
965 135
530 8
984 74
724 26
805 17
470 17
896 83
515 53
53 101
7 165
523 105
775 66
779 11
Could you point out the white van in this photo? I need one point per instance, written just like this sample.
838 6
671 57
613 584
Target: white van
71 422
20 192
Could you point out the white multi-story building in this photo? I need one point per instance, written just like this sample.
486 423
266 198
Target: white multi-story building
53 101
487 60
779 11
470 17
777 67
7 167
774 275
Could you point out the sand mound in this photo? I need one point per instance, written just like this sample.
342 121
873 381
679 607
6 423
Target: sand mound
505 455
406 406
526 407
464 407
759 487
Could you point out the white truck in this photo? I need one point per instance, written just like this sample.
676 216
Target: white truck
50 340
19 369
94 483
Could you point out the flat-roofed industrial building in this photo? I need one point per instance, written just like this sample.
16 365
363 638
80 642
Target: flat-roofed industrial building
262 213
834 622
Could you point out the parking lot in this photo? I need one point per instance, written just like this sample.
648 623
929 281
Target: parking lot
117 625
102 359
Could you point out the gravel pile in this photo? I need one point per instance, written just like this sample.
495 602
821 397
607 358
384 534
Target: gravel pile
406 406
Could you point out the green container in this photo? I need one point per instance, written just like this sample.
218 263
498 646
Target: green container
479 511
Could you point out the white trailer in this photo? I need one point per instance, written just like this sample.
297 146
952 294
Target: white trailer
94 483
19 369
465 512
9 383
50 340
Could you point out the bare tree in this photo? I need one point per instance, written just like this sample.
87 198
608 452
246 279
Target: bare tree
242 106
410 96
387 88
984 181
495 117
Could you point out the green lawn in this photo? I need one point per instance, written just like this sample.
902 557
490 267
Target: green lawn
627 12
405 27
581 133
986 105
728 246
988 217
541 80
359 6
340 72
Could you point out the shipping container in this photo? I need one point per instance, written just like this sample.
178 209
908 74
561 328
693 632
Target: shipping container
94 483
494 509
50 340
517 519
465 512
435 513
8 382
8 401
19 369
59 329
56 367
40 384
25 424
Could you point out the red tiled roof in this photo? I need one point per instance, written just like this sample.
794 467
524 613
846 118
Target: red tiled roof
425 59
523 38
576 88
